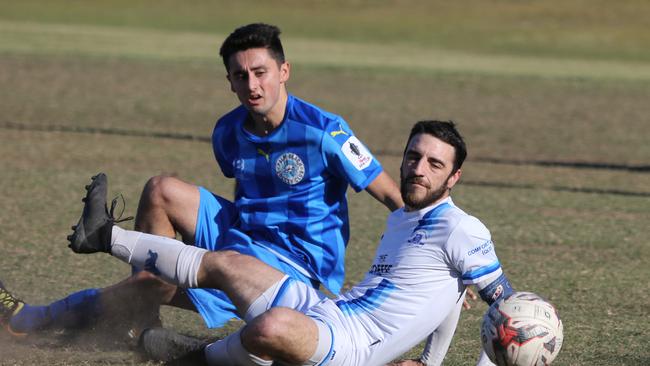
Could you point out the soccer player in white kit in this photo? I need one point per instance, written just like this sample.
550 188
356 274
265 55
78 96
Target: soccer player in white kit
429 252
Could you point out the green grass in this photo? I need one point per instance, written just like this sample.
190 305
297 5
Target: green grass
573 28
154 68
142 43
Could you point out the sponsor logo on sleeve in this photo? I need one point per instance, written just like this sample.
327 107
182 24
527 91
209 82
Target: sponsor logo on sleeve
356 153
484 248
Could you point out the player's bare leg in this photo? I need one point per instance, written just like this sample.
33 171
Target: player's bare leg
282 334
167 205
246 280
277 334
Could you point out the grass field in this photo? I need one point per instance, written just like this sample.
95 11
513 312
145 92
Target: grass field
551 96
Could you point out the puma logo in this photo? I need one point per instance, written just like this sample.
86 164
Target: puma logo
263 153
150 263
338 132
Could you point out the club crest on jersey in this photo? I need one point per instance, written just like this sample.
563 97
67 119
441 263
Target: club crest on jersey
417 237
358 155
290 168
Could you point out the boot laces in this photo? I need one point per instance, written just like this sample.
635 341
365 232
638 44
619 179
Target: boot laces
112 210
7 301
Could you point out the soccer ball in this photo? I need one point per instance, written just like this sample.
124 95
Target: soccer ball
521 330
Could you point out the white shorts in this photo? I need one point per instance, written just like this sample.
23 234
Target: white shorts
335 346
341 347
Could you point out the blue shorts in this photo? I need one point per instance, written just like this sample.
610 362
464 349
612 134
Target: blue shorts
216 216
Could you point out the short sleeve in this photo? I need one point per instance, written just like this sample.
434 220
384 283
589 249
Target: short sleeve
347 157
219 148
472 252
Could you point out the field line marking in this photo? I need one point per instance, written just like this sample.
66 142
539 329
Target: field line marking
379 152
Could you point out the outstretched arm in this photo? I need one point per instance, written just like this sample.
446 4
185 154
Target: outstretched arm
385 190
438 342
492 290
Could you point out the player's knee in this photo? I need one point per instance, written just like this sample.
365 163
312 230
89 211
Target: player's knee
267 330
159 190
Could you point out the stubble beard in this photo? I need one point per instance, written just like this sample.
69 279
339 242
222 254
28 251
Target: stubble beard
416 202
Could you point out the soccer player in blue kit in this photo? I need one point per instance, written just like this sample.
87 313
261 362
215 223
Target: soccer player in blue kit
429 252
292 163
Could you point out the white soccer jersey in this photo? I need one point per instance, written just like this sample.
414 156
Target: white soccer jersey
417 278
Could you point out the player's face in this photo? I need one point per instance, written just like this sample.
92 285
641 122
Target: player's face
425 175
258 80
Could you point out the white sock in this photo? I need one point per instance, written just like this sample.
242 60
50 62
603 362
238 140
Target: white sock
171 259
230 352
484 360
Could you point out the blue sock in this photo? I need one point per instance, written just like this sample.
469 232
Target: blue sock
76 310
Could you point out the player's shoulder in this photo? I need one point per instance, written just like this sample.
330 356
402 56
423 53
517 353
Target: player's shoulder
301 111
226 125
232 118
462 222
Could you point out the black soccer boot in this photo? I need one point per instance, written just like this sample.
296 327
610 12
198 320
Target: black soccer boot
9 306
93 231
162 344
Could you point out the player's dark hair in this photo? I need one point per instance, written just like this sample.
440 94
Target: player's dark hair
445 131
256 35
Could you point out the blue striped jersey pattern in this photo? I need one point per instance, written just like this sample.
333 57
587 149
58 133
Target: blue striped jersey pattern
369 301
431 218
480 272
291 184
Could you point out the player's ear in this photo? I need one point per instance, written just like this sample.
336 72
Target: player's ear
285 71
454 178
232 89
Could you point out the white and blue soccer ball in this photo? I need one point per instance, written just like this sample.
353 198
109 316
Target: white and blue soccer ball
522 329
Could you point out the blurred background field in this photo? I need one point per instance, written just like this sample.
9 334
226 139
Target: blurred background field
552 97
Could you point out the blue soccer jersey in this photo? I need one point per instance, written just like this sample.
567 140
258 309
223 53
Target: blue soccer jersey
291 185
